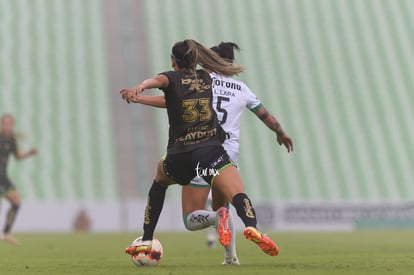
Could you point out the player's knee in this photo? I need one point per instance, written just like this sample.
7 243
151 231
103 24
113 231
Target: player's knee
162 179
162 182
15 206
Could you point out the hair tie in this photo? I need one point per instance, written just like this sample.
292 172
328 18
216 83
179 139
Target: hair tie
174 57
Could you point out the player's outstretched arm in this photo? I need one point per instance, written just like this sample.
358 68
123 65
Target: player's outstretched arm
19 156
132 95
153 101
274 125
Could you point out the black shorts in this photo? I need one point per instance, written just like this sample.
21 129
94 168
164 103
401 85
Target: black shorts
205 162
5 185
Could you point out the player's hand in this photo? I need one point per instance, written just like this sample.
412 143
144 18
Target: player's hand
33 151
126 94
132 95
137 90
284 139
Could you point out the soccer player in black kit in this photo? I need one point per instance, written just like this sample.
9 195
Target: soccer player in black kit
194 145
8 146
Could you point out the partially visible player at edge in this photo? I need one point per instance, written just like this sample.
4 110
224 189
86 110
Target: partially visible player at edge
8 145
230 98
195 139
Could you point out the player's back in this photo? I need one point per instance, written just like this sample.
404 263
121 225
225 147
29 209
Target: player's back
193 123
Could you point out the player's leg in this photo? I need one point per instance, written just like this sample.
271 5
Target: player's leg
211 232
230 256
193 200
155 201
14 198
171 170
196 209
234 192
194 197
220 204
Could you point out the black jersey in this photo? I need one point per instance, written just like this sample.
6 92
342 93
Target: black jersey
193 121
7 146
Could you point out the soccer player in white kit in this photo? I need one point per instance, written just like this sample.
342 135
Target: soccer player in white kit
230 98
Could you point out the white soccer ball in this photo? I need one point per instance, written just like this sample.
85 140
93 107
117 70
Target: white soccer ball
151 258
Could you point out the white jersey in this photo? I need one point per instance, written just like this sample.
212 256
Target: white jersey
230 98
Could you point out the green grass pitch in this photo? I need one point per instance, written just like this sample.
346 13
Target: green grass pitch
361 252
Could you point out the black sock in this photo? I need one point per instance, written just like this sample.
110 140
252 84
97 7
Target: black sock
245 209
11 216
155 203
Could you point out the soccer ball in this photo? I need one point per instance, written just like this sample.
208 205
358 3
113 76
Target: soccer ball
151 258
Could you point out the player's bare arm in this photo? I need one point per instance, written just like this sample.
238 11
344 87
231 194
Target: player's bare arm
274 125
153 101
132 95
19 156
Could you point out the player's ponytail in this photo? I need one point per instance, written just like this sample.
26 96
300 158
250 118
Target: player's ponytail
189 53
226 50
210 60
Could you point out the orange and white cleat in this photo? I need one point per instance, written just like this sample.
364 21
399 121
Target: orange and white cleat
223 229
264 242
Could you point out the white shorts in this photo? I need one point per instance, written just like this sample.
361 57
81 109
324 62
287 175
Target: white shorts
199 182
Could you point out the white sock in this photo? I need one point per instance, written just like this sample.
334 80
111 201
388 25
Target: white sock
230 250
200 219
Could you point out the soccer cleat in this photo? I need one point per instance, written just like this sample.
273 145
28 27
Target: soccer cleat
10 239
142 246
223 229
231 261
264 242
